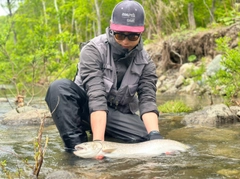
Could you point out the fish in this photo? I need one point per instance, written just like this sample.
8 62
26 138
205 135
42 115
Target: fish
147 149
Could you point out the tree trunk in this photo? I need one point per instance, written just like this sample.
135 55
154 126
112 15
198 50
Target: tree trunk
73 20
210 10
44 12
59 26
9 5
191 18
97 8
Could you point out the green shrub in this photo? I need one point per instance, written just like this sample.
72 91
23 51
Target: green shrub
227 78
174 106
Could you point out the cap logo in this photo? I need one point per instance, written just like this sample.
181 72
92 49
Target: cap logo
130 17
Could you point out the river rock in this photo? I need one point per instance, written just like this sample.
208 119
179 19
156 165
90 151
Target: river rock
212 116
185 70
3 100
190 87
26 115
214 66
179 81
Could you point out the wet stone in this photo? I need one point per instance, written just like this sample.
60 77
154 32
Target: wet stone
26 116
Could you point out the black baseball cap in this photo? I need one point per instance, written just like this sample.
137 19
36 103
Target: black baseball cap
128 16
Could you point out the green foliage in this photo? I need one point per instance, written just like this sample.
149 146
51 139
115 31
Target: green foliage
231 18
174 106
192 58
197 73
227 78
10 173
40 43
33 54
202 10
3 165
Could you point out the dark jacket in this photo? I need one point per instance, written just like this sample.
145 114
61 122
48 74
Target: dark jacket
111 76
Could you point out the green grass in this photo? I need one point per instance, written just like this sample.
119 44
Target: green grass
174 106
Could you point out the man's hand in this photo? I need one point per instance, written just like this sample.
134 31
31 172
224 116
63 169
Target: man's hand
154 135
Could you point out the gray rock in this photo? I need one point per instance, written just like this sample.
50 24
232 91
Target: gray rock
235 110
214 66
211 116
179 81
3 100
26 115
159 83
185 69
172 90
189 89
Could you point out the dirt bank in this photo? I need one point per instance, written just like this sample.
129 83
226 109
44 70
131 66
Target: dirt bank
174 51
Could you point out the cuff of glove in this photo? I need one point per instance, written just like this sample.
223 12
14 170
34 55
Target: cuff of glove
154 135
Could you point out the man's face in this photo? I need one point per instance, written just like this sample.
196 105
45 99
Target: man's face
127 40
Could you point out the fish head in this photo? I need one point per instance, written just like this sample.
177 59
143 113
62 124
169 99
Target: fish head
88 149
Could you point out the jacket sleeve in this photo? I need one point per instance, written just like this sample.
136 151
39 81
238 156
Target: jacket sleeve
147 89
90 72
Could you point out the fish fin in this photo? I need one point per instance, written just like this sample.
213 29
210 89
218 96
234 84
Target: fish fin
168 153
172 152
108 150
99 157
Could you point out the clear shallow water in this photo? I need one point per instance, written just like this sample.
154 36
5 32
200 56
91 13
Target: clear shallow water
214 153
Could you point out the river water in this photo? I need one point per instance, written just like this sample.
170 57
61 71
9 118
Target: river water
215 152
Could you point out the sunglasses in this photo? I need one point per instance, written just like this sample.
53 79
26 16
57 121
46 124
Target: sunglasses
122 36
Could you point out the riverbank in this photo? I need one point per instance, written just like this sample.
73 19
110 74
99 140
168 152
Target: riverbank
186 61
